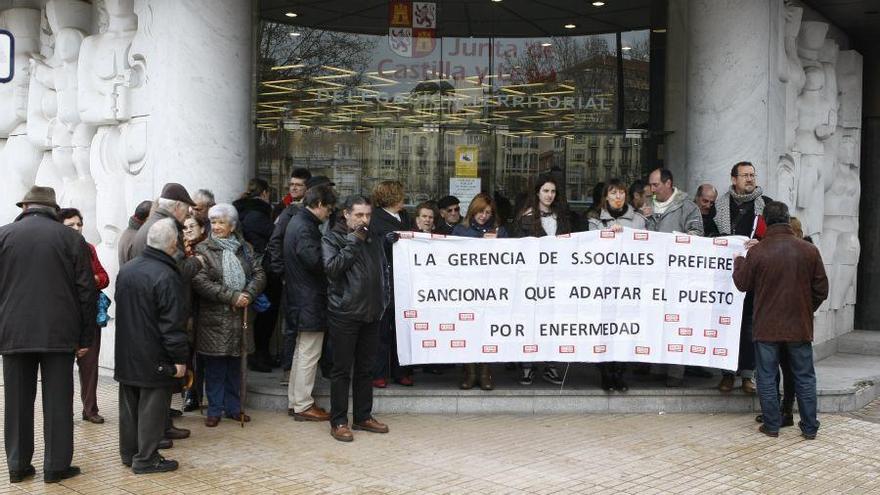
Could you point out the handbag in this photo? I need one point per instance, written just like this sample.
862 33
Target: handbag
103 305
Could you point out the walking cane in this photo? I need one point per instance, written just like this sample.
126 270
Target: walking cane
243 393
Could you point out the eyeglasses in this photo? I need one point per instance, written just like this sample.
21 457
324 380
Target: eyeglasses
453 209
748 176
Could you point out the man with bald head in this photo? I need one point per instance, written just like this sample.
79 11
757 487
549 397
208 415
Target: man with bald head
705 200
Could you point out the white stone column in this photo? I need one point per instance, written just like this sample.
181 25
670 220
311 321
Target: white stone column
198 61
729 106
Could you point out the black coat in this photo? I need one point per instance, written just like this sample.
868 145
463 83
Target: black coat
306 294
255 218
383 222
275 247
356 273
150 320
47 287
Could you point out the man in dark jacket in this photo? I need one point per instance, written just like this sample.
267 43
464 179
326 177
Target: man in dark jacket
275 265
151 347
123 245
739 212
705 201
48 311
354 261
174 202
788 278
307 299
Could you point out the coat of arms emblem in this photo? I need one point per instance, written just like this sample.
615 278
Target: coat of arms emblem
412 28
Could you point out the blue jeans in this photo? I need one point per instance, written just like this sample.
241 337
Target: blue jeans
800 356
223 385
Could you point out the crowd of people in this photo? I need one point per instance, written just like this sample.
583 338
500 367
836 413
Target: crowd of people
202 288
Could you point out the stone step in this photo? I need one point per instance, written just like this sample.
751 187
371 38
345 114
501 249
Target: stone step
846 382
865 342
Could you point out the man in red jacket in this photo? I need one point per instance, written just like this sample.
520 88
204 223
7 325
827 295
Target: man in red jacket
788 278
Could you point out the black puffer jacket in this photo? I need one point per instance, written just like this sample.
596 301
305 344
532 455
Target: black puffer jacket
150 320
355 270
47 289
218 328
306 294
255 218
274 258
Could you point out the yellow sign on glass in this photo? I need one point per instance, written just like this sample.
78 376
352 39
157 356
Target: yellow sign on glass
466 160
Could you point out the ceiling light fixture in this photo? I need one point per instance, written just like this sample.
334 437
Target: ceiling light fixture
496 1
294 33
291 14
626 48
569 26
546 44
598 4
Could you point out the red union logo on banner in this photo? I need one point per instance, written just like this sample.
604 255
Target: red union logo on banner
675 348
719 351
698 349
429 344
640 236
719 242
683 239
447 327
420 326
685 332
711 333
606 234
724 320
671 318
599 349
466 317
490 349
412 28
641 349
410 313
458 344
566 349
530 348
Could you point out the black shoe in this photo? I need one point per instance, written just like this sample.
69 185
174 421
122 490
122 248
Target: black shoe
175 413
698 371
126 463
190 403
787 419
164 444
619 383
607 382
672 382
19 476
56 476
174 433
161 465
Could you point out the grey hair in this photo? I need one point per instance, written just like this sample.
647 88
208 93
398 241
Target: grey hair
161 234
204 196
226 211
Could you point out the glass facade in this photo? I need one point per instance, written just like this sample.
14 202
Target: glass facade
366 108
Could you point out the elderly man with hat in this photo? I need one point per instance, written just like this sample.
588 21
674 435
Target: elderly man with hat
173 203
47 316
450 212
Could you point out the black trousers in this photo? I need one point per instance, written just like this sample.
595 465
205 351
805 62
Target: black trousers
354 346
264 323
20 392
387 364
142 415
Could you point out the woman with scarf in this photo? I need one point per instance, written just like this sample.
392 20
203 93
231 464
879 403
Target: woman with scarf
615 214
545 213
229 280
480 222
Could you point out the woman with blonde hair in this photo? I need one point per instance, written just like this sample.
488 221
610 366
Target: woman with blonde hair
481 221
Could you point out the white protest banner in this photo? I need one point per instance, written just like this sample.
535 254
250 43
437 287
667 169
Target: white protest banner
588 297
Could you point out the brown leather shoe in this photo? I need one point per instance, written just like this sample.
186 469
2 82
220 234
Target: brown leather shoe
470 377
371 425
341 433
726 384
486 378
313 413
748 386
95 418
212 421
767 432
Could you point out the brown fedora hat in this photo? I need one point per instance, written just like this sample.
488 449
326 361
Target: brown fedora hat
39 195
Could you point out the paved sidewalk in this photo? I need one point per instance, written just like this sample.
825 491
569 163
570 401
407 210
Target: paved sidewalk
595 454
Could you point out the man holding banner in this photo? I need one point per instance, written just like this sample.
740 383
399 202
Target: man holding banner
788 278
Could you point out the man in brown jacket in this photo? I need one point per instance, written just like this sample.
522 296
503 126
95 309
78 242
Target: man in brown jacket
788 278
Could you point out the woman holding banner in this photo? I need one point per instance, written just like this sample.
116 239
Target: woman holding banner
545 213
481 222
615 214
